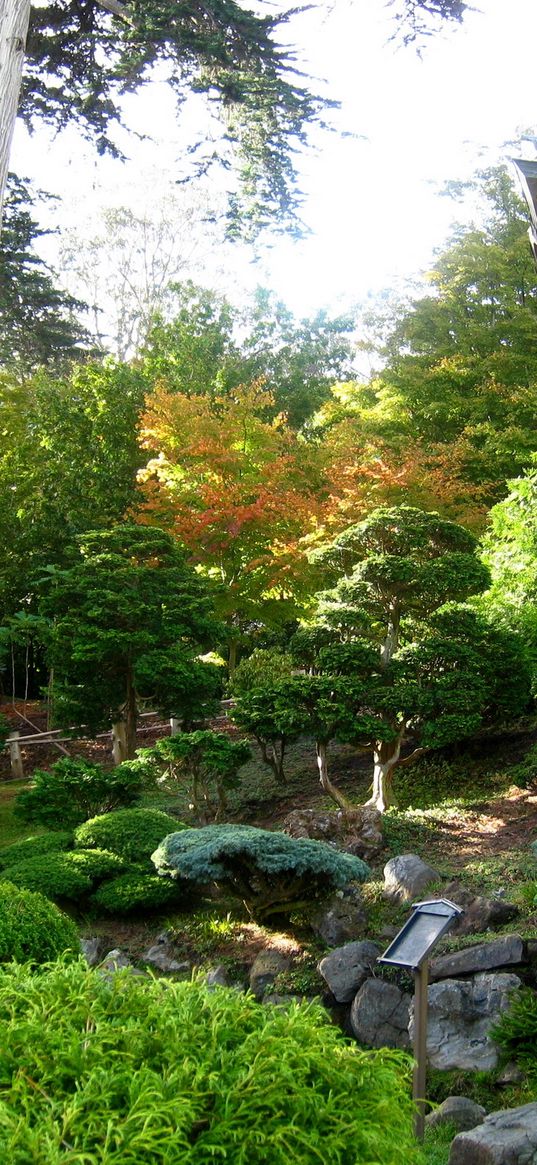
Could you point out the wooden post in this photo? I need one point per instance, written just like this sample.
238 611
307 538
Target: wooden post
175 726
15 754
119 741
421 983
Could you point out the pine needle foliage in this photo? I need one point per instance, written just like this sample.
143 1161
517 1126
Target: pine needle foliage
271 872
146 1072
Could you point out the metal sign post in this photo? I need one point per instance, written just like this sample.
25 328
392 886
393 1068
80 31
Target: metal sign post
410 949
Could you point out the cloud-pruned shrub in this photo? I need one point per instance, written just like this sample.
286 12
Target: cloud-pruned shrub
33 847
263 1084
137 890
271 872
74 790
133 834
51 875
32 930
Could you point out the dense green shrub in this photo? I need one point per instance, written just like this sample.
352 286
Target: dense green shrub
131 833
516 1030
137 890
51 875
258 1084
95 864
74 790
32 847
263 668
271 872
32 929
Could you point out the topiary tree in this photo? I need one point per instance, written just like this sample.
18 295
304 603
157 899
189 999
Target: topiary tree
208 761
414 662
133 834
271 872
74 790
32 929
129 619
268 715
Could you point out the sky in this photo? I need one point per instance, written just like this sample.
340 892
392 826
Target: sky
407 124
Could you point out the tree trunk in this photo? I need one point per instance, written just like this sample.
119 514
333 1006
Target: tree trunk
232 658
386 757
119 741
131 716
391 642
14 19
322 765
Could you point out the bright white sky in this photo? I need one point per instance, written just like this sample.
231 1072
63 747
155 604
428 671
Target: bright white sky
372 202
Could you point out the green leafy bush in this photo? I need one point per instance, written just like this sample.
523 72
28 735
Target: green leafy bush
51 875
74 790
271 872
263 668
131 833
208 762
32 929
136 890
33 847
259 1084
516 1030
95 864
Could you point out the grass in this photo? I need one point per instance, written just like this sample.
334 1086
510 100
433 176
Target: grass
10 829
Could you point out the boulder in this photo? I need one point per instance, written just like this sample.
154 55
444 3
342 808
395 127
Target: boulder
115 960
406 877
161 958
479 913
341 918
507 951
93 950
265 968
217 977
461 1015
358 831
347 967
379 1015
459 1111
507 1137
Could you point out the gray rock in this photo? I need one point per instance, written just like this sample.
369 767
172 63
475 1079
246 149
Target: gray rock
510 1074
461 1015
459 1111
379 1015
406 877
92 949
161 958
479 913
346 968
341 919
506 951
357 831
508 1137
266 968
217 977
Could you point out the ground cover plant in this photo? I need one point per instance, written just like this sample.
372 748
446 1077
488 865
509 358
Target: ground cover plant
271 872
244 1082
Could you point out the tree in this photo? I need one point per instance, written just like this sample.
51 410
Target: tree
239 490
129 618
38 327
401 662
510 552
208 761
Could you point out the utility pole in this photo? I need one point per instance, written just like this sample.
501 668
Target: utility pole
14 20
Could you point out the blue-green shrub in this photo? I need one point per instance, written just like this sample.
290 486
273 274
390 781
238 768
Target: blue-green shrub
144 1072
32 930
271 872
74 790
131 833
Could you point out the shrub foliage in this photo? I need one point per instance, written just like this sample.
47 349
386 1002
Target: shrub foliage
33 847
32 930
271 872
258 1083
133 834
74 790
137 890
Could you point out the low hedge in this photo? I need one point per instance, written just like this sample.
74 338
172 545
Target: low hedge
131 833
137 890
32 930
51 875
139 1072
33 847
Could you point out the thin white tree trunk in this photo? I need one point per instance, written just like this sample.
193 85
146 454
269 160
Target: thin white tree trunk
14 19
